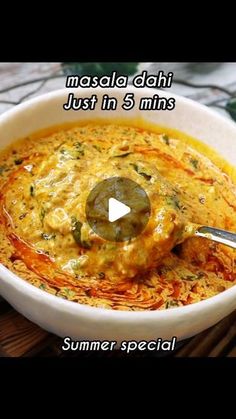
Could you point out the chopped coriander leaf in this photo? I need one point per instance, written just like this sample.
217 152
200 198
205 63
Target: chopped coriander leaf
42 286
123 155
42 215
75 264
194 163
18 161
69 293
140 172
171 304
189 277
76 232
193 277
145 175
173 201
32 190
166 139
79 148
135 166
97 147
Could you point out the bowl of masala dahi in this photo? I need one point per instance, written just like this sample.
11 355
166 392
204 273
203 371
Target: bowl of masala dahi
68 268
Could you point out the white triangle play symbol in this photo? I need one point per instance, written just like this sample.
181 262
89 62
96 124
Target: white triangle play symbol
116 210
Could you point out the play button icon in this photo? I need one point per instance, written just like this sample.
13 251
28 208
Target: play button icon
117 209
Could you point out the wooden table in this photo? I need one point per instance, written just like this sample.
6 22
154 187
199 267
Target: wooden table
20 337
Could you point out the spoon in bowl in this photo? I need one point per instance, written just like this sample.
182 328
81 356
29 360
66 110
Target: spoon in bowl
210 233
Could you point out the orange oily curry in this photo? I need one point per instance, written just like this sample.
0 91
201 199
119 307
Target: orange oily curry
46 239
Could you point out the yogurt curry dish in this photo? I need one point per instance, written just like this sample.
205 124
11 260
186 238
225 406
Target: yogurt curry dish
46 239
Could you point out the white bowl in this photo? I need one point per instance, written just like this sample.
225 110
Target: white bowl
78 321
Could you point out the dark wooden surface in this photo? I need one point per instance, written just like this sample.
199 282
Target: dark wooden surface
21 338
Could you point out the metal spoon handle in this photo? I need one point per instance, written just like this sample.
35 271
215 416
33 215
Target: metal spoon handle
217 235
